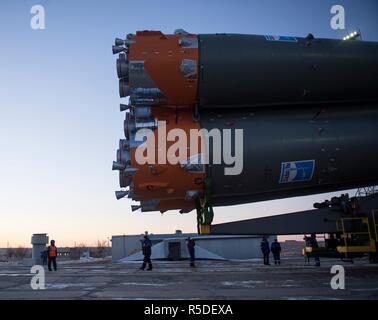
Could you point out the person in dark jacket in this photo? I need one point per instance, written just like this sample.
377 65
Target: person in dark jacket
146 250
305 253
314 244
276 250
52 253
191 244
265 250
44 254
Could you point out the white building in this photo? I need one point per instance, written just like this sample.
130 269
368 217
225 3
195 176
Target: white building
173 246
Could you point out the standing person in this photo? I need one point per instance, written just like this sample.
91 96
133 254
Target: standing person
314 244
146 250
44 257
265 250
305 253
276 250
191 244
52 253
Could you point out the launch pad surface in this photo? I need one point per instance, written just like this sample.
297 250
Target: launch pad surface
209 280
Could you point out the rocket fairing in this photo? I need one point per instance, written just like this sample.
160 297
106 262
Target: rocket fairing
306 109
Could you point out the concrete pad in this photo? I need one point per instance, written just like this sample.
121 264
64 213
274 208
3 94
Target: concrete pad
211 279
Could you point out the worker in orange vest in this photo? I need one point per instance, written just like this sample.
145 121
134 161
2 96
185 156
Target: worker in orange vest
52 252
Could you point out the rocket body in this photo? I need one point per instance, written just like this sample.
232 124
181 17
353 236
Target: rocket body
297 115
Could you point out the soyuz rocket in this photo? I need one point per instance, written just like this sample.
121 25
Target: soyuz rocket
307 108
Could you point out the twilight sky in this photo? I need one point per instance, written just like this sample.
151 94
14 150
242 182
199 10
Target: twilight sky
59 120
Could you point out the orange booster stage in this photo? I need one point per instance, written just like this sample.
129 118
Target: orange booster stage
159 73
